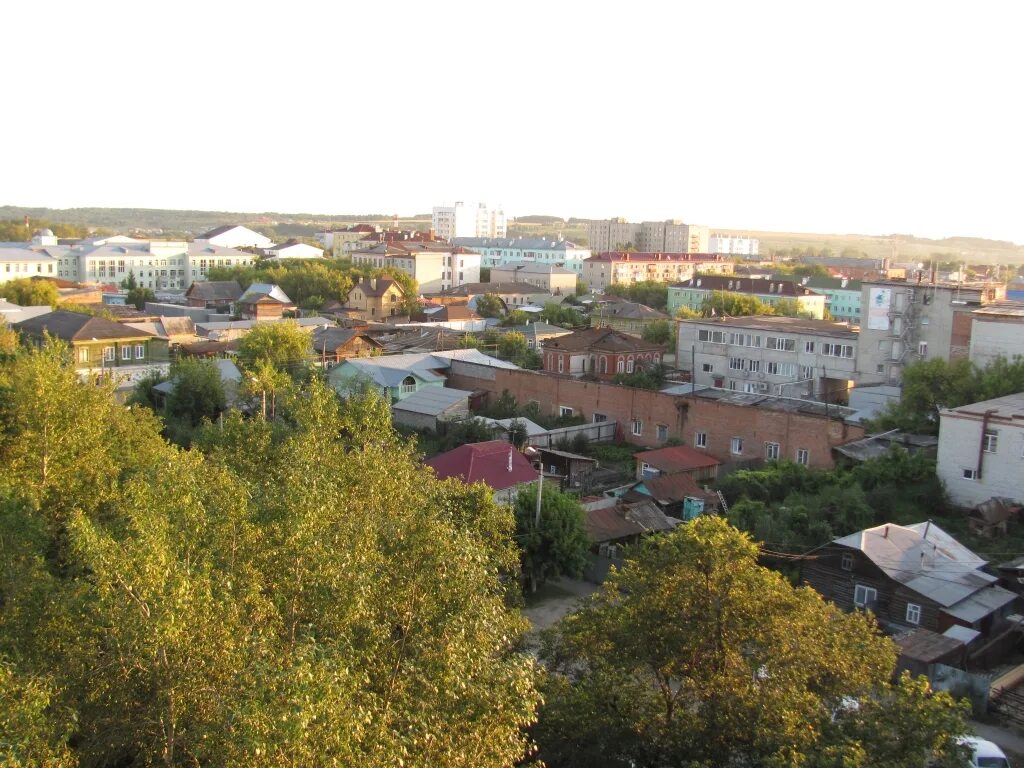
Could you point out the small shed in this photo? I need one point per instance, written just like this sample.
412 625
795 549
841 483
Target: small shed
429 406
919 648
573 470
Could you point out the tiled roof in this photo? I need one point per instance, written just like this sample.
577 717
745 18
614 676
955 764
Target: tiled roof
74 326
676 458
496 463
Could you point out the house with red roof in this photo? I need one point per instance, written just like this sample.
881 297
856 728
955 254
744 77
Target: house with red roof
676 460
495 463
599 352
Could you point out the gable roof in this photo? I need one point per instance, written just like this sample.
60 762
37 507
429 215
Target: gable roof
377 287
676 458
214 290
631 310
223 228
74 326
924 558
333 338
669 489
495 462
258 291
601 339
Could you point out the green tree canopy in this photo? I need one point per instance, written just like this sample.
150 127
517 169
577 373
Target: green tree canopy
689 656
489 305
27 292
558 544
725 303
651 293
659 332
283 345
139 296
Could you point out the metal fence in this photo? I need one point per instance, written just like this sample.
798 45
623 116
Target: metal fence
592 433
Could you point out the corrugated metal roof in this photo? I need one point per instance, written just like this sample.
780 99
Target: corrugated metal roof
433 401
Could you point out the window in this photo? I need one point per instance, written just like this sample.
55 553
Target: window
970 474
707 367
922 348
564 410
780 344
809 346
662 432
629 366
620 366
736 446
83 355
700 440
913 613
140 351
803 456
862 595
600 418
108 354
847 561
126 352
780 369
561 364
837 350
990 440
638 427
408 385
715 337
771 451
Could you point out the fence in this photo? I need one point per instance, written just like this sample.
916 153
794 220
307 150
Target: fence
592 433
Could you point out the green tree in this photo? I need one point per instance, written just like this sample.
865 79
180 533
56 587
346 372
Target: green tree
139 296
198 391
687 658
130 283
516 317
560 314
489 305
648 292
726 304
283 345
512 344
31 733
557 544
659 332
30 293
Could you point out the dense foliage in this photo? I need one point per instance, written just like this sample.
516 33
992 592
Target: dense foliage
649 292
290 592
26 292
694 655
554 543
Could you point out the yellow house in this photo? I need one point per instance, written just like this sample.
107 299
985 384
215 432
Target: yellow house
376 298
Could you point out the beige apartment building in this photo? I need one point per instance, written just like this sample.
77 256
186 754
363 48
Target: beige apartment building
671 236
603 270
434 266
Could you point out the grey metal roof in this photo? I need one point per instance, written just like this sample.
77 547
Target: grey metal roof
1008 407
432 401
258 291
532 429
532 268
774 403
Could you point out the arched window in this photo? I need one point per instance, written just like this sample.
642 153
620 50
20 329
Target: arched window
408 385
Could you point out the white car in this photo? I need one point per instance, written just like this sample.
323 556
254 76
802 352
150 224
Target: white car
985 754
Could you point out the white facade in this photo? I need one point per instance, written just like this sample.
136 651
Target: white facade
997 331
497 252
234 237
464 220
731 244
294 250
981 450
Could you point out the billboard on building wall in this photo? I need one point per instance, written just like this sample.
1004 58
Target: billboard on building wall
879 300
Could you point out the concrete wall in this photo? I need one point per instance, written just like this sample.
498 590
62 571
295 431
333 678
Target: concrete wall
992 337
1002 472
681 416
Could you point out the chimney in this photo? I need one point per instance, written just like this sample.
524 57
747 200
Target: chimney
885 535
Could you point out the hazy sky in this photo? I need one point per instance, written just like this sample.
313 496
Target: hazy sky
794 116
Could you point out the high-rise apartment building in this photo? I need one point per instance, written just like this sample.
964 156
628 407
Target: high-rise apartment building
462 220
731 244
649 236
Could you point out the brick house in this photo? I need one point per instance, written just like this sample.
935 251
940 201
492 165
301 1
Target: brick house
599 352
910 576
375 298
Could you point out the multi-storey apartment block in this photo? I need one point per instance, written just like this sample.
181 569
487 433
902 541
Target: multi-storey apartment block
434 266
650 236
904 322
603 270
788 356
692 293
496 252
842 296
733 245
462 220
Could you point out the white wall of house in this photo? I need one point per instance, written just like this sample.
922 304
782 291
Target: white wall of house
992 337
963 445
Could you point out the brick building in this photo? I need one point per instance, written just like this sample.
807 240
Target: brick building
600 352
735 428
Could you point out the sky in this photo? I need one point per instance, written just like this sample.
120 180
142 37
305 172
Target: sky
867 117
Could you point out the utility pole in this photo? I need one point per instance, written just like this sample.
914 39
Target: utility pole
540 493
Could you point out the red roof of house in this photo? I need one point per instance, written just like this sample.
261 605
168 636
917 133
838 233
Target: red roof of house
495 462
676 458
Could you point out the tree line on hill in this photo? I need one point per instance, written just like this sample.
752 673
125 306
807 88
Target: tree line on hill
297 589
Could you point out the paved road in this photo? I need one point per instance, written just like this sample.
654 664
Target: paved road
554 600
1009 740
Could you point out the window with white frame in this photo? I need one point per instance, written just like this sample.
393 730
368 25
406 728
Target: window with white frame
707 367
83 355
140 351
600 418
629 366
108 354
771 451
408 385
700 440
736 446
564 410
803 456
780 344
126 352
970 474
864 595
620 367
637 427
809 346
846 563
990 440
913 613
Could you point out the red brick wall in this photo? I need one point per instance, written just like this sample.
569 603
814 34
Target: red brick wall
960 338
682 415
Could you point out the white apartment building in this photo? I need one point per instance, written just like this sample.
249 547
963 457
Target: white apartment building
903 322
497 252
156 264
434 266
671 236
981 450
616 268
733 245
462 220
788 356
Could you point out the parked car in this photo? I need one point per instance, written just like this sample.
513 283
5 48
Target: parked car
985 754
